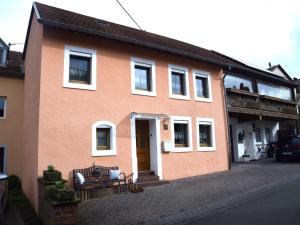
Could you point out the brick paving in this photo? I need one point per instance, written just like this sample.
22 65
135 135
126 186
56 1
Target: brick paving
187 198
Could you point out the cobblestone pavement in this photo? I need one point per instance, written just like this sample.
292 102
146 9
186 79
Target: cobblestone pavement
189 197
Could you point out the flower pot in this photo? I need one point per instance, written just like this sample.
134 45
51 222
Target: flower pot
52 176
62 194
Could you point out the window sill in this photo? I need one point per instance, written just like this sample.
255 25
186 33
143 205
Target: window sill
104 152
199 99
183 149
206 149
181 97
80 86
144 93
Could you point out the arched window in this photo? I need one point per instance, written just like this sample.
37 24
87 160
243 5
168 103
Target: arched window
104 138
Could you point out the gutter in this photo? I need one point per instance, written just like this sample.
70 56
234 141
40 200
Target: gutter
227 117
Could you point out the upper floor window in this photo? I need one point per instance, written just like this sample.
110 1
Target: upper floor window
178 82
205 134
2 107
104 138
239 83
181 133
1 57
202 86
143 80
80 68
275 91
258 135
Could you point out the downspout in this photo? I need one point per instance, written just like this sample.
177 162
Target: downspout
226 116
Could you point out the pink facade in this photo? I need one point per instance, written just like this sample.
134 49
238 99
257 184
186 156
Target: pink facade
58 120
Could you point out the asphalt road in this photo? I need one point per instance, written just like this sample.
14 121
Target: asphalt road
279 206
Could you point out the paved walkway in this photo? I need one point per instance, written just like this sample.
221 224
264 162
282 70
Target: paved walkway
187 198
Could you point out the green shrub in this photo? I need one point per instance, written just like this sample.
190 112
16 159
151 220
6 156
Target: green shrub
50 168
60 184
14 182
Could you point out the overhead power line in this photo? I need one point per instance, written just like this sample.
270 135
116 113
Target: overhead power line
129 15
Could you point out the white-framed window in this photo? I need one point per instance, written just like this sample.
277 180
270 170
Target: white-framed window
143 78
178 82
2 107
80 68
268 135
104 138
202 86
206 139
181 133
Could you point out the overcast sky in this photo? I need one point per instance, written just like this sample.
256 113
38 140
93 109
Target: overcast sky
254 31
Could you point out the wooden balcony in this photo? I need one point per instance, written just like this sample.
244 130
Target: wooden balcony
244 102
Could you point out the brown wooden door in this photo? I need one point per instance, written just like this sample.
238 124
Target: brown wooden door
142 144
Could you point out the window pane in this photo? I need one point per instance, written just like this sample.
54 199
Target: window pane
274 90
142 78
80 69
178 83
238 83
181 135
205 135
258 134
268 135
2 105
103 138
201 87
1 57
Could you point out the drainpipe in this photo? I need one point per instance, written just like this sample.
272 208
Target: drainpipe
226 116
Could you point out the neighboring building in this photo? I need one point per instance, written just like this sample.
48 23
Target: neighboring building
11 110
278 70
259 103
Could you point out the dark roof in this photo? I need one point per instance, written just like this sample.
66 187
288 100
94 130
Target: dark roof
272 68
56 17
14 66
60 18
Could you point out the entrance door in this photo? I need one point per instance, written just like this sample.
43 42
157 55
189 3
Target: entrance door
142 144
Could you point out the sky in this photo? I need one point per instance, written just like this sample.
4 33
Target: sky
253 31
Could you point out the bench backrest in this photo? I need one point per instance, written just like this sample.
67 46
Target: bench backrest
90 173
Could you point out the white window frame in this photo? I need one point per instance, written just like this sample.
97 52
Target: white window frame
186 120
113 139
184 71
5 107
5 157
144 63
206 121
72 50
204 74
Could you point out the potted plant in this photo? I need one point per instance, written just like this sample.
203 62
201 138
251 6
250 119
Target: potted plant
60 192
51 174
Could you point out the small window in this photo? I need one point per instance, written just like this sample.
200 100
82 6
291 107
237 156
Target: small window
268 135
205 134
258 136
202 86
178 86
80 68
2 107
104 138
181 133
142 78
143 81
178 82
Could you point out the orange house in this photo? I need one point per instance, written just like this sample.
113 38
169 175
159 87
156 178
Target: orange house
99 92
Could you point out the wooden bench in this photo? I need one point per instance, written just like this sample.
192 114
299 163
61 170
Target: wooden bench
95 177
